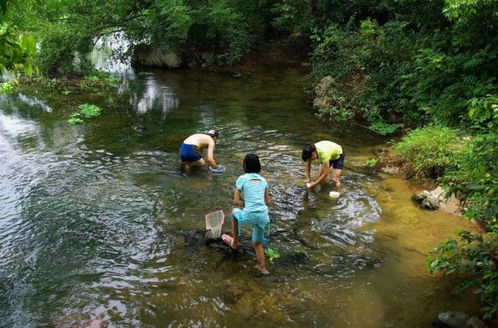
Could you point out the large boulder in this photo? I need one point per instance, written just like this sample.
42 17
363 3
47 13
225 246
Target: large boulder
430 200
322 89
156 57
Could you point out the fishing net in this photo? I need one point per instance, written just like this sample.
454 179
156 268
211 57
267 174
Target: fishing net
214 221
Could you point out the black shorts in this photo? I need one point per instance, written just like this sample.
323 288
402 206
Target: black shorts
338 164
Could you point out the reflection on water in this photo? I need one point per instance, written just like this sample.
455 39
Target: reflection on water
33 102
107 55
156 96
98 226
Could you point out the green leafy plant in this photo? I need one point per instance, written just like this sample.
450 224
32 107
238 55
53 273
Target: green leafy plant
430 151
474 178
335 113
272 254
50 84
384 128
368 27
111 79
17 51
8 87
90 111
75 119
91 78
475 259
371 162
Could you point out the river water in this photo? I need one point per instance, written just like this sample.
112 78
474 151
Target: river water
99 227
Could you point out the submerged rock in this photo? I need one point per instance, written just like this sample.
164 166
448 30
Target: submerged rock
452 319
201 238
192 239
390 170
292 259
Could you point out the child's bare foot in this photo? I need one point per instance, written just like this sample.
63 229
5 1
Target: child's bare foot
262 269
230 241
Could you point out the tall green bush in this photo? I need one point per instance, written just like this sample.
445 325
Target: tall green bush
430 150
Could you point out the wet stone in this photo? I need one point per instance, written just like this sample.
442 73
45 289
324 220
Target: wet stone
451 319
430 200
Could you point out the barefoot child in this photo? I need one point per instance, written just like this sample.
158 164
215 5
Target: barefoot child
329 154
255 212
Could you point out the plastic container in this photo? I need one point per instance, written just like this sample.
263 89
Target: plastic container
221 169
214 222
334 194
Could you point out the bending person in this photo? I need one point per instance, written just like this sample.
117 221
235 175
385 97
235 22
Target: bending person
328 154
192 148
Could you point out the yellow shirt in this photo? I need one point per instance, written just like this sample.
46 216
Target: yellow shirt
327 151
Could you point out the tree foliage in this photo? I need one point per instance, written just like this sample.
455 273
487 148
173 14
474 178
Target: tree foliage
210 32
475 258
17 51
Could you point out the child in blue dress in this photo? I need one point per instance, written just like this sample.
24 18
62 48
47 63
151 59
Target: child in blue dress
251 192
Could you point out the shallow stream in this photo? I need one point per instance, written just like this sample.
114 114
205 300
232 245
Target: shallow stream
99 227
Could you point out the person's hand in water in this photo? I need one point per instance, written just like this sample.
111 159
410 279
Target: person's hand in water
309 185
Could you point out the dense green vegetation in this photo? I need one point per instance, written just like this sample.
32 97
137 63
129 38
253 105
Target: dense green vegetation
207 32
17 50
474 257
429 152
428 64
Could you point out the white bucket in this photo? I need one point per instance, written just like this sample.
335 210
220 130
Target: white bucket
214 222
334 194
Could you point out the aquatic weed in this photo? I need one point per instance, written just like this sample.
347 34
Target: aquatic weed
90 111
75 119
272 254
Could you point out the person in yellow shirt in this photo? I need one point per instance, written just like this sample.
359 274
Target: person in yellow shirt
328 154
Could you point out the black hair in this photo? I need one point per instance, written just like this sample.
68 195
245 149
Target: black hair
308 151
213 133
251 163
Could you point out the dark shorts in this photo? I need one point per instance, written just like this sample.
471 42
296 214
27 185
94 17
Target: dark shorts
189 153
338 164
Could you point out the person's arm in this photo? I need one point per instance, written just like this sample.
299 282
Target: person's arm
322 177
307 171
210 154
267 197
237 200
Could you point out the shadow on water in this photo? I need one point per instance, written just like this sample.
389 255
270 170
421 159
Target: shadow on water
99 226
